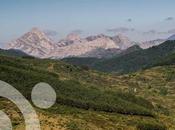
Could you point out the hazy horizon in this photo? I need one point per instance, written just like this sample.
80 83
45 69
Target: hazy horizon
140 20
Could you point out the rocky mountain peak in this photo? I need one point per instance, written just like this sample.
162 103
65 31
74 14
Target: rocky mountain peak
34 42
73 37
100 36
121 38
122 41
36 34
171 38
70 39
35 30
148 44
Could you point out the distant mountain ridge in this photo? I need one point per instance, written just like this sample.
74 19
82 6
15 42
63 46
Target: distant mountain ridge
36 43
83 46
130 61
122 41
151 43
70 39
12 52
171 37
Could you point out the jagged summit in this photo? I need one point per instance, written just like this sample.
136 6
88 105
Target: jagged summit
34 42
122 41
83 46
171 38
148 44
73 37
91 38
35 29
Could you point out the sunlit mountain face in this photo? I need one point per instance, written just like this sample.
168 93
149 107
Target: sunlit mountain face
38 44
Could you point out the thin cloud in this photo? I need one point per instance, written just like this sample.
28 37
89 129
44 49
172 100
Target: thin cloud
150 32
129 20
121 30
169 18
171 31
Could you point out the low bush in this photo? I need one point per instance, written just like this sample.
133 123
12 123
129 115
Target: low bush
71 92
150 126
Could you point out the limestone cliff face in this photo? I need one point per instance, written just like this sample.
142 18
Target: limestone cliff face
36 43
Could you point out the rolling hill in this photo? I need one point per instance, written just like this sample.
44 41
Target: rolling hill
83 93
129 62
12 52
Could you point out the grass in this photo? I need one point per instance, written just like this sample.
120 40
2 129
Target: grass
70 92
88 99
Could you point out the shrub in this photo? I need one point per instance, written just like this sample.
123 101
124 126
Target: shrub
85 67
163 91
28 57
72 126
150 126
72 93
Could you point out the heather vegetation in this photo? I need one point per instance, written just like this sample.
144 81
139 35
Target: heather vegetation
87 99
71 92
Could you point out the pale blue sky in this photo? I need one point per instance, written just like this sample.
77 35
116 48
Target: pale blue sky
90 16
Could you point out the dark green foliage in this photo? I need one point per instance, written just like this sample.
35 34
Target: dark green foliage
84 67
12 52
133 60
168 60
22 74
72 126
138 100
159 108
150 126
28 57
81 61
136 60
163 91
130 49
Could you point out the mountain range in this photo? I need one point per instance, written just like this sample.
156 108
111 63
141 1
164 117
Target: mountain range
129 61
36 43
88 99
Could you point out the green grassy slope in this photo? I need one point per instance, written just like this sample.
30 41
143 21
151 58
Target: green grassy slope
137 60
12 52
96 100
84 61
69 92
89 62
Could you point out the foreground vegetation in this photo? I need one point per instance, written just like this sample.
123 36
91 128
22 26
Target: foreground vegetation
90 100
70 92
